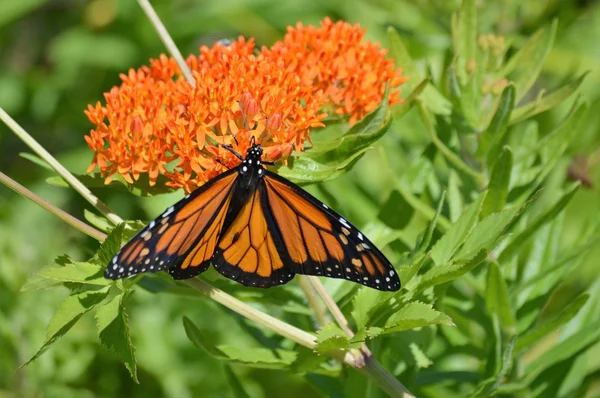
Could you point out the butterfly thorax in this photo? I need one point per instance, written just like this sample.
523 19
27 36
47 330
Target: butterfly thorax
251 169
250 173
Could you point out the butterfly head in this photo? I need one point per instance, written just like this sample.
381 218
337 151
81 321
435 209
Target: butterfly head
252 164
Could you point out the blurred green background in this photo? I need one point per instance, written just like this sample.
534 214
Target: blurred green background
57 56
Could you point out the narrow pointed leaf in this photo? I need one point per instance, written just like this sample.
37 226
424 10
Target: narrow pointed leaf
547 101
499 184
547 327
67 315
447 245
113 329
448 272
512 248
413 315
525 66
497 300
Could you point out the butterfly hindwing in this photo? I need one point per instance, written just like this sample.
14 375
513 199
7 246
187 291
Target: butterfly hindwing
318 241
249 252
183 238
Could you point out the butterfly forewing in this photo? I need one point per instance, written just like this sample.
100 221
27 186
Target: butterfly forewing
318 241
183 238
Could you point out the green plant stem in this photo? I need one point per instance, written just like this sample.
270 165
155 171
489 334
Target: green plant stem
444 150
293 333
320 314
59 168
167 40
331 305
386 381
63 215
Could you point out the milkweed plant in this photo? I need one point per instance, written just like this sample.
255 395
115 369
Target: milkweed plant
472 221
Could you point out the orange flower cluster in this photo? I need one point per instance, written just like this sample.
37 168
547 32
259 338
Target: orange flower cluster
351 72
155 122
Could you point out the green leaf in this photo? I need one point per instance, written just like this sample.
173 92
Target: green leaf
110 246
455 199
67 315
421 360
412 315
358 139
485 234
492 138
97 221
407 272
430 95
497 300
491 385
546 102
457 234
512 248
539 332
303 170
464 36
568 348
332 338
432 224
84 273
365 303
448 272
499 183
525 66
402 108
113 329
253 357
36 160
38 282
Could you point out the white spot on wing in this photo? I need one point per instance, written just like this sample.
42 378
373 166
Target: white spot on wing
360 236
151 225
169 211
343 221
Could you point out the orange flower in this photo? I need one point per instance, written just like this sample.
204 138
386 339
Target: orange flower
351 72
157 123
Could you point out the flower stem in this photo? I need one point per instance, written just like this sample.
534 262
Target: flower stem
384 380
167 40
63 215
293 333
59 168
331 305
320 314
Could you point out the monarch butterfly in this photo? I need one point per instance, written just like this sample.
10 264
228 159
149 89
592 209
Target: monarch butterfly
256 228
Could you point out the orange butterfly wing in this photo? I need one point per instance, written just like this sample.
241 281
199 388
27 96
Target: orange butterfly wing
249 251
318 241
182 240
